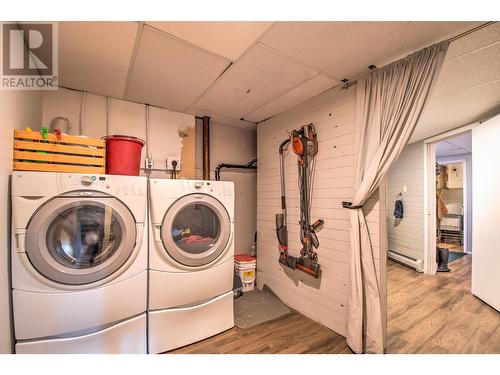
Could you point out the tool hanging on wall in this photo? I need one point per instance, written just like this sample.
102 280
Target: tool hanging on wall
304 144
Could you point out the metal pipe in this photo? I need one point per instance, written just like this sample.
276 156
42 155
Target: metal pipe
206 148
282 175
348 84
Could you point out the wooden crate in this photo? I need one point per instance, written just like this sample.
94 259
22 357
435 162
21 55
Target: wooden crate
69 154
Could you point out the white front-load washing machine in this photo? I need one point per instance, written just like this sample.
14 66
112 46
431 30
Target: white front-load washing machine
191 257
79 263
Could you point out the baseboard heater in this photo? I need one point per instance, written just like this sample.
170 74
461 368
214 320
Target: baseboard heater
416 264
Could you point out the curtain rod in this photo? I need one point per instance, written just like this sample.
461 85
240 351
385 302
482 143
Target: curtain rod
348 83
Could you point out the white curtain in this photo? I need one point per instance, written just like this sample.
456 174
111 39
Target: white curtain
389 104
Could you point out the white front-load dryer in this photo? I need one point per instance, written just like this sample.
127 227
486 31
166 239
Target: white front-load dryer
191 261
79 263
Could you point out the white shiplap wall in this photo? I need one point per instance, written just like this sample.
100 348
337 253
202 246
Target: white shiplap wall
406 236
334 115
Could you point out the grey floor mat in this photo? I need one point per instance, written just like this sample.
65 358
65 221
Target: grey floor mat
258 306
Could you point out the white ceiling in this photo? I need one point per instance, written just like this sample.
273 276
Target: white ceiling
86 60
241 73
228 39
457 145
169 73
468 88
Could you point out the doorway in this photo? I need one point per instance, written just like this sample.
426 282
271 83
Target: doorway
453 180
455 311
448 192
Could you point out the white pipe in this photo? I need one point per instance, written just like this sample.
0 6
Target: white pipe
108 114
82 111
147 131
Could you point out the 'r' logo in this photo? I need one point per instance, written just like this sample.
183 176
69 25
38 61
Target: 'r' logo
27 49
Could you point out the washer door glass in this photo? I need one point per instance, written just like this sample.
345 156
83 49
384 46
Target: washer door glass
196 230
76 241
84 235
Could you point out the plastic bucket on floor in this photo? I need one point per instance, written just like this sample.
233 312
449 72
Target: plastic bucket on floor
247 276
123 154
244 267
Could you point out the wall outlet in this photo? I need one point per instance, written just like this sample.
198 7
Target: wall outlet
169 163
148 163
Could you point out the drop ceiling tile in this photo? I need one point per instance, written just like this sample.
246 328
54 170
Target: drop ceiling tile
446 148
320 44
476 96
170 73
86 60
474 41
408 39
293 97
431 126
459 108
462 141
228 39
470 70
442 153
257 78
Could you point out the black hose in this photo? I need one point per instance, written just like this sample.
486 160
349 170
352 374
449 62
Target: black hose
252 164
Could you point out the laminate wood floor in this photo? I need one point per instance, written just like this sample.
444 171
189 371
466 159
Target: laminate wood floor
438 313
291 334
426 314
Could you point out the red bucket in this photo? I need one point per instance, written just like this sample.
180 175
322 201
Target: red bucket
123 154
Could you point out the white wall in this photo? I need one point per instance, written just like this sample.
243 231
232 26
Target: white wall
125 117
406 236
19 109
237 146
334 115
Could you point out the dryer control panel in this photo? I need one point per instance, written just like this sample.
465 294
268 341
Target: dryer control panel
207 187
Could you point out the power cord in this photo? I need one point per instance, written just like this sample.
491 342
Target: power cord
174 169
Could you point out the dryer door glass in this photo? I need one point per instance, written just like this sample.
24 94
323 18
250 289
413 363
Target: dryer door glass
79 241
196 230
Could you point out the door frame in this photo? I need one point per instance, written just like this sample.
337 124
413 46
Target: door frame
430 265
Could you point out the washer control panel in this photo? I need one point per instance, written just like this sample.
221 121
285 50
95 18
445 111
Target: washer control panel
108 184
73 181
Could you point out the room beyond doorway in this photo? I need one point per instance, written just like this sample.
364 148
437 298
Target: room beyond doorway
454 194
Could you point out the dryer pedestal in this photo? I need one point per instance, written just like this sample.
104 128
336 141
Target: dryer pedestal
173 328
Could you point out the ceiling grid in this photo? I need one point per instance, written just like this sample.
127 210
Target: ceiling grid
241 73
